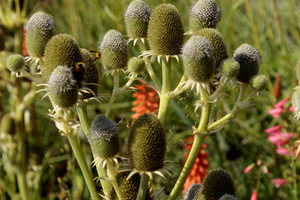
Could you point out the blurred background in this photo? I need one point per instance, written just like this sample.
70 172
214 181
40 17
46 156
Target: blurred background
271 26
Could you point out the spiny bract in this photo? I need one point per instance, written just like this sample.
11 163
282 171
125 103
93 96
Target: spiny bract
214 36
15 62
91 74
62 50
259 82
147 143
104 137
193 193
165 30
136 65
39 30
62 87
204 14
137 18
197 54
249 60
114 51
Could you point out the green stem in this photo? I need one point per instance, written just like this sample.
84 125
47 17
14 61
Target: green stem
200 134
83 165
82 114
295 190
143 187
166 87
116 77
111 174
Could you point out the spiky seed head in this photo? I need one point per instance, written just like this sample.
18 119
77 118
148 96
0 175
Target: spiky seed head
104 137
136 65
228 197
128 187
91 74
7 125
204 14
114 51
249 60
214 36
62 50
62 87
230 68
136 19
39 30
197 54
165 30
259 82
217 183
193 193
147 143
15 62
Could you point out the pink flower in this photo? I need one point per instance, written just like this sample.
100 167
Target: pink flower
248 168
265 169
273 130
254 195
280 139
278 182
281 103
278 108
282 151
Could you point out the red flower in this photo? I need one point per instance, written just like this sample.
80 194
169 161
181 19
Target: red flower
24 49
198 171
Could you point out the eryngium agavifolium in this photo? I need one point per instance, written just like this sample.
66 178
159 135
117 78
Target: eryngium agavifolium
62 50
136 65
114 51
136 19
204 14
259 82
104 137
193 193
230 68
91 74
165 30
198 61
15 62
7 125
62 87
39 30
214 36
228 197
147 143
217 183
128 187
249 60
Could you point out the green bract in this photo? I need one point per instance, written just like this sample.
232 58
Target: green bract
259 82
249 60
198 61
136 19
204 14
114 51
62 87
104 137
15 62
147 143
62 50
165 30
136 65
39 30
230 68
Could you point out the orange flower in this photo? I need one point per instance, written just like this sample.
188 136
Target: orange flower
24 49
146 101
198 171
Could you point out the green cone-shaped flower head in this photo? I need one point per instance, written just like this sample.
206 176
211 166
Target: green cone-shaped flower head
230 68
114 51
165 30
249 60
193 193
104 137
259 82
7 125
137 18
147 143
61 50
136 65
228 197
62 87
39 30
217 183
128 187
15 62
204 14
214 36
91 74
197 54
